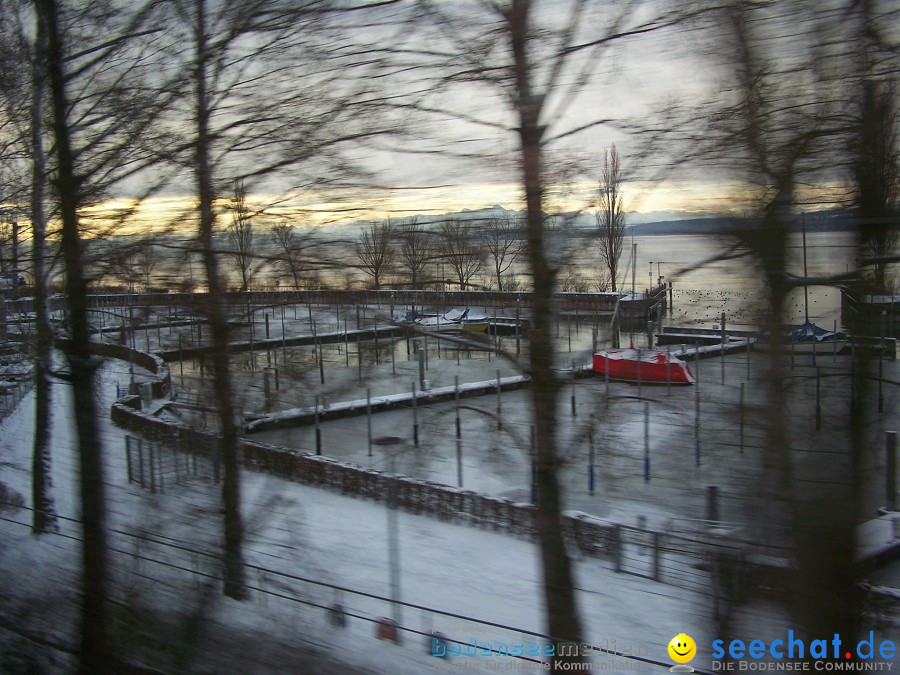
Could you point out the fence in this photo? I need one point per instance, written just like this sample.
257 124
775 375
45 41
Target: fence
638 552
155 464
590 535
12 392
162 382
697 560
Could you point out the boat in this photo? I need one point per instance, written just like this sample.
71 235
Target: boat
805 338
455 320
642 365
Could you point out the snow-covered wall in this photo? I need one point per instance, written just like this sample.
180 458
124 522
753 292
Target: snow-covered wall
161 384
590 535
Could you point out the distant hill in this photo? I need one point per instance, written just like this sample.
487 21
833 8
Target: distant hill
656 223
690 226
833 220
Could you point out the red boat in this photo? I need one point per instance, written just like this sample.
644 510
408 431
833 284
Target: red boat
645 365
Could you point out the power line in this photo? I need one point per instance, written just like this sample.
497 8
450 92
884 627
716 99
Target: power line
344 589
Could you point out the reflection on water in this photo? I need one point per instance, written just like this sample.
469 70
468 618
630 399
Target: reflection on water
733 286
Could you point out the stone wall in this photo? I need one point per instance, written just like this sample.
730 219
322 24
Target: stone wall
444 502
161 384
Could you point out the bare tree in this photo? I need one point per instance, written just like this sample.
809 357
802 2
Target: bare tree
120 265
44 510
240 235
610 214
782 124
877 176
266 107
459 247
147 260
292 251
538 67
23 89
375 250
207 60
81 173
502 238
415 252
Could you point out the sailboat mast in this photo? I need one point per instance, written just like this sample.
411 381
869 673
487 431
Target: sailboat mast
633 265
805 275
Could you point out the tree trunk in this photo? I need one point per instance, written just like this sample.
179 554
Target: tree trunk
44 514
562 615
94 650
234 564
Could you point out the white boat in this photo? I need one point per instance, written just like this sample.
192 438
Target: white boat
454 321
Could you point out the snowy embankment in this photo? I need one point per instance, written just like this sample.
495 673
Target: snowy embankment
306 549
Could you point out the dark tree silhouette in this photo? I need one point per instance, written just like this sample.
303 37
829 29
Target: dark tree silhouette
293 251
877 176
503 239
95 649
459 247
375 250
240 235
415 251
610 215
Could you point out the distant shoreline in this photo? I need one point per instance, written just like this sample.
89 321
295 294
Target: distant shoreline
722 226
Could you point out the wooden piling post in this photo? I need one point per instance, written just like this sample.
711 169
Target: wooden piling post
668 370
415 410
639 371
318 429
533 452
646 442
724 338
518 320
818 399
420 353
499 418
459 467
749 351
574 413
834 343
712 503
697 407
369 418
591 460
881 361
890 444
606 380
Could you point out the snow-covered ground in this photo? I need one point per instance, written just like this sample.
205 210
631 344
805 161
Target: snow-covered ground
469 584
310 533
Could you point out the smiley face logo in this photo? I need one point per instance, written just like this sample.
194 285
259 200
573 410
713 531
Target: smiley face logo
682 648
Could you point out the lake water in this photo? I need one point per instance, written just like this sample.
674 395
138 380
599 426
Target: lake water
734 286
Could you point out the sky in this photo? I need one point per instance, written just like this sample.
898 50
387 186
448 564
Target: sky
463 153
